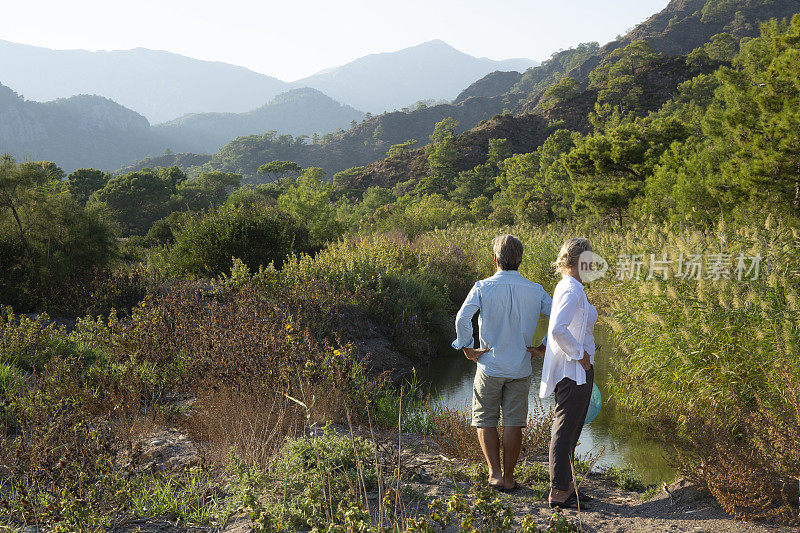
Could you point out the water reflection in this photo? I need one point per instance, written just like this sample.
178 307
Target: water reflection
625 441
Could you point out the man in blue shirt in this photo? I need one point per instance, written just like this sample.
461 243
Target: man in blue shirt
509 307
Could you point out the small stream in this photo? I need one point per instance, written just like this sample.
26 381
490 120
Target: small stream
626 442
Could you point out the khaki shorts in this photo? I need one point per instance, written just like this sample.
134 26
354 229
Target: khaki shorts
491 394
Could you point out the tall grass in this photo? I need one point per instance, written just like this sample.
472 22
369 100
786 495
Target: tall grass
718 364
706 346
409 287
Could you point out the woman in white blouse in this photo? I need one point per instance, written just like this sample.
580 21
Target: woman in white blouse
568 368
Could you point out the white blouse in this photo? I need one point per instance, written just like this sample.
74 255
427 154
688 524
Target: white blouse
570 333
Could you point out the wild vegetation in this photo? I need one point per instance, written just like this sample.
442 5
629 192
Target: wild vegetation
228 309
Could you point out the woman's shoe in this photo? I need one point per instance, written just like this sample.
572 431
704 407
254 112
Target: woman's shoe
584 497
569 503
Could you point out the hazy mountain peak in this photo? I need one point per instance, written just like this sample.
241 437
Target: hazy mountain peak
435 43
178 85
300 92
432 70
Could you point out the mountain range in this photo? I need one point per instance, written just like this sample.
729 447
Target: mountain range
93 131
681 27
508 104
198 106
163 86
159 85
498 105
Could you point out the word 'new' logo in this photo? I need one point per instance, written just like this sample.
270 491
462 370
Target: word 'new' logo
591 266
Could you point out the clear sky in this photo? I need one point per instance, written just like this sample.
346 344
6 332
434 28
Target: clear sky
292 39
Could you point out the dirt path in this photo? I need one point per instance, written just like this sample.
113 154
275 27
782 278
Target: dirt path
615 510
682 509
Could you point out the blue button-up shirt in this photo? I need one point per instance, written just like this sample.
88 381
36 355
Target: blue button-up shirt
509 307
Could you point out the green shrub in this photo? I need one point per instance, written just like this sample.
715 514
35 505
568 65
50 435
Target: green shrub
323 474
188 496
534 476
29 343
624 477
413 287
208 241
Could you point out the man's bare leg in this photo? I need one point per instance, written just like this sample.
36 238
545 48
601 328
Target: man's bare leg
512 442
490 444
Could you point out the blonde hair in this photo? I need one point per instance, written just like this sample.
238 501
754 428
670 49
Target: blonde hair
508 251
570 252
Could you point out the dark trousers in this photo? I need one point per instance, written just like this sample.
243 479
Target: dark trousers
572 404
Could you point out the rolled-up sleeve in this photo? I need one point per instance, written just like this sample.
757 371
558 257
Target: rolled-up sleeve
464 319
561 316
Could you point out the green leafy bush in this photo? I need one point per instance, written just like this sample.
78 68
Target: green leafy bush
208 241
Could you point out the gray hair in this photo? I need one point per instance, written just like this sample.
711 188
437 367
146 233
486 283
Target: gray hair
508 251
570 253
